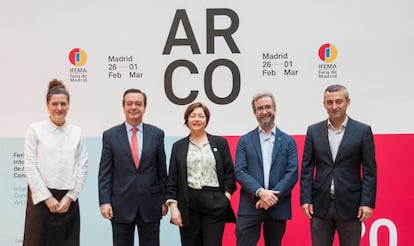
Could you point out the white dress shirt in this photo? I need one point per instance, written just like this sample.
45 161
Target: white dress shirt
335 139
267 141
55 157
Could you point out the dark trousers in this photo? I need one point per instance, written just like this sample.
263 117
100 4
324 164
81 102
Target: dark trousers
208 210
248 229
43 228
323 229
148 232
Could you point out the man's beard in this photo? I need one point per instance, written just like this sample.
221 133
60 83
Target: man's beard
268 123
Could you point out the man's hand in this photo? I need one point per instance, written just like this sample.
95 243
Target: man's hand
307 209
164 209
268 197
364 213
106 211
261 204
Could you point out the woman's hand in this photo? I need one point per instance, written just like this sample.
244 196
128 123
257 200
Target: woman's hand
52 204
228 195
176 215
64 205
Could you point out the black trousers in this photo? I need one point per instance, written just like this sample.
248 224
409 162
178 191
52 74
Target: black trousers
208 210
148 232
248 228
323 229
43 228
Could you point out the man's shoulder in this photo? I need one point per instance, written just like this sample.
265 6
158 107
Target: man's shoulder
152 128
317 125
358 123
114 129
283 134
250 133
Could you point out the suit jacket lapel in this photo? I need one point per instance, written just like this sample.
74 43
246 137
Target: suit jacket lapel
325 140
146 142
276 146
255 141
147 138
122 136
181 155
346 138
214 148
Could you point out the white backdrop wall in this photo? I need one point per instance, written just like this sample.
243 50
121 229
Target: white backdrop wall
374 60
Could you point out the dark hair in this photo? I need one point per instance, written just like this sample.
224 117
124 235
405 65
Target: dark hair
191 108
337 87
132 90
56 87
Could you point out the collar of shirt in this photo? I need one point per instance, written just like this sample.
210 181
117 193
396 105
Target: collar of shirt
193 143
262 131
129 127
343 125
53 127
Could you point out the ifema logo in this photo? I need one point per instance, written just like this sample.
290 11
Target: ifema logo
328 52
78 57
78 73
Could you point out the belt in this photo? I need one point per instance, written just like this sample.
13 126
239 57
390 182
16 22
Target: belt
209 188
206 188
332 196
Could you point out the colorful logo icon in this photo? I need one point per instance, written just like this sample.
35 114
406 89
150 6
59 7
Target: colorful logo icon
77 57
328 52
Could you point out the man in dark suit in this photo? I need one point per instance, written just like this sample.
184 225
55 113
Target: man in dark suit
267 169
338 178
132 177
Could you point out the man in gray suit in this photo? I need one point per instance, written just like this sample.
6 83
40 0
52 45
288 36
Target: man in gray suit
132 175
339 173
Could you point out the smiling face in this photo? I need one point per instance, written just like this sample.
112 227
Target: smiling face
58 106
134 108
265 111
336 104
197 120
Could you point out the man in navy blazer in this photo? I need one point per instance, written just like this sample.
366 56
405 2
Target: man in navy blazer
338 178
267 170
132 194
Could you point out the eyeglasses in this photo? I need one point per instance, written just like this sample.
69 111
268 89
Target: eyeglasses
266 107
